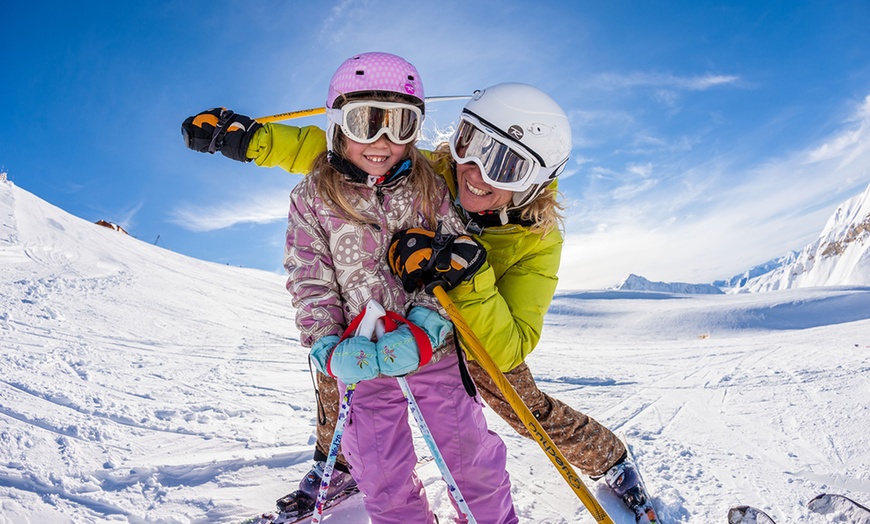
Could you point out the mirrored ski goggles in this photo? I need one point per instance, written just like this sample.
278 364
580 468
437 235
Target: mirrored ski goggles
366 121
504 163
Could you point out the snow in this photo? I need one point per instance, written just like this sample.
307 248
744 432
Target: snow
139 385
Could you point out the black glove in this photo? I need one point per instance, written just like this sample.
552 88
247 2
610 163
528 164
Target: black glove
421 257
220 129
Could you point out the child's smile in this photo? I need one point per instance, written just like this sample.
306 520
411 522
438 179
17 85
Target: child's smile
376 158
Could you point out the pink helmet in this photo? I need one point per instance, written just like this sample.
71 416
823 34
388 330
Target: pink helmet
376 72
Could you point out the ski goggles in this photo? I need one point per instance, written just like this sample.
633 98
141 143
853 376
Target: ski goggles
366 121
504 163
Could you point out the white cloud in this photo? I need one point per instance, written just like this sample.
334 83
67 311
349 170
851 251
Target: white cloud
263 208
127 216
850 143
662 80
710 221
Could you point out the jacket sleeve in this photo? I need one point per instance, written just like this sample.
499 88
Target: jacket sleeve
312 280
507 313
288 147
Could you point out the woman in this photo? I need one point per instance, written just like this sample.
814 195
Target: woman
511 144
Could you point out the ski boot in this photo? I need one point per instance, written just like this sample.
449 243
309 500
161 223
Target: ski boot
625 481
301 502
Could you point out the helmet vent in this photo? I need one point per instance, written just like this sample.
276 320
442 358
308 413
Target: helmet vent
360 72
541 129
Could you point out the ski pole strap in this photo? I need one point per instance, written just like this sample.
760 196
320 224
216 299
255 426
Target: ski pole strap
441 250
343 412
351 328
220 129
452 487
467 381
348 332
321 411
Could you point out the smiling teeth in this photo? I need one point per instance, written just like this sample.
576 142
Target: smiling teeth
475 191
377 159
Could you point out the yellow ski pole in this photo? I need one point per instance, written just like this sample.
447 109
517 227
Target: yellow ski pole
292 114
321 110
478 353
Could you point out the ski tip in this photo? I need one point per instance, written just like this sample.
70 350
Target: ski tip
820 503
748 515
825 503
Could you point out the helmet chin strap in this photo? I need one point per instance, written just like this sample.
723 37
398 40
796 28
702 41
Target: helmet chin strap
475 223
521 198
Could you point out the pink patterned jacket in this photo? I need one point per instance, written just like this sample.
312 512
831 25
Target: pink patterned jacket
335 266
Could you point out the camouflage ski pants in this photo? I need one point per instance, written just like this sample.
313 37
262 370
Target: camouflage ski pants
588 445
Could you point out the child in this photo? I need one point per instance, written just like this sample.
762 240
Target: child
371 183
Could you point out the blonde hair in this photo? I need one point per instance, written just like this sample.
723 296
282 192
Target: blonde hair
544 212
336 190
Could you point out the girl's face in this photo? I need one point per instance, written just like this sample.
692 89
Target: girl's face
475 195
376 158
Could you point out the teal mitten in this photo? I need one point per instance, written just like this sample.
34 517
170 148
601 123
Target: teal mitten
435 326
352 360
398 354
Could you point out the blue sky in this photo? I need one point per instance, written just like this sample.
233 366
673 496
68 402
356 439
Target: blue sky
708 136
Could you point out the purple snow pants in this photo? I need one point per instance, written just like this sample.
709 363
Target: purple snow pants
378 446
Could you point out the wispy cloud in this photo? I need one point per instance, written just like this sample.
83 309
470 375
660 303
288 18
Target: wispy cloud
850 142
612 81
263 208
128 216
711 220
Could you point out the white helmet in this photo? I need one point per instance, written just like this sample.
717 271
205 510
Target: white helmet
518 136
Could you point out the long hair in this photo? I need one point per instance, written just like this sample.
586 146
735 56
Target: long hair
544 212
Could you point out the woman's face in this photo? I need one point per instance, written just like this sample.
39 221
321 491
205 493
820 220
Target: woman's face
475 195
376 158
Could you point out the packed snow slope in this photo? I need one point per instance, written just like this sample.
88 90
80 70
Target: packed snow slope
138 385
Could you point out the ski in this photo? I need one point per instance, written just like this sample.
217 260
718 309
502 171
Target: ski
748 515
294 518
283 517
844 508
648 511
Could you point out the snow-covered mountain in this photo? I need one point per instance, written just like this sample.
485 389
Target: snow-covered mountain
142 386
740 280
840 256
637 283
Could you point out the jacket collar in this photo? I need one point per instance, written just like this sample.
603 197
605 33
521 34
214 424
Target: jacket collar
355 174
